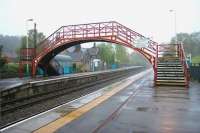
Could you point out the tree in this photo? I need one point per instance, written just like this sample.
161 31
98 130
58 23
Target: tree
40 37
2 59
1 49
136 59
107 53
10 44
191 42
122 55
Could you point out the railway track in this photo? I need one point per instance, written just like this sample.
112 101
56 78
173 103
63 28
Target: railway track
63 90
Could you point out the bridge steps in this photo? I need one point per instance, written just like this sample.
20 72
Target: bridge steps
170 71
170 74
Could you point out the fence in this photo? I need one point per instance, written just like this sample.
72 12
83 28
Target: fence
195 71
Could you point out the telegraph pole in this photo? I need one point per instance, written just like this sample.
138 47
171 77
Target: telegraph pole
35 39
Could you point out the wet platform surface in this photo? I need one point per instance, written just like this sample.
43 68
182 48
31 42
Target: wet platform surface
150 110
137 108
31 124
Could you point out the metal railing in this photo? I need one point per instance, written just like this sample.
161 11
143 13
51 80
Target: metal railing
182 57
194 70
104 31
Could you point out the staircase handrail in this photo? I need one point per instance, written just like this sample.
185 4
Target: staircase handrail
156 64
184 62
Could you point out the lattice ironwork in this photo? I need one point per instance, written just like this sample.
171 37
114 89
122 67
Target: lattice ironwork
105 31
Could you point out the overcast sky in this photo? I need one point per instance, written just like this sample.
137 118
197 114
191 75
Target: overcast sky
148 17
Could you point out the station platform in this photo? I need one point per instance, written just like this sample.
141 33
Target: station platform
6 84
132 105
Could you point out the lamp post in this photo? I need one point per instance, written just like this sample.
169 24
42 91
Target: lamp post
174 11
27 39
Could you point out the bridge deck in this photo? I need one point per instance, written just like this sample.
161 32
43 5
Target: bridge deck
131 105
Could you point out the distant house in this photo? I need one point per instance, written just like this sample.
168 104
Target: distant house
82 57
77 55
10 56
62 64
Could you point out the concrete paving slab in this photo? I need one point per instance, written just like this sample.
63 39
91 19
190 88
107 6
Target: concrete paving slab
152 110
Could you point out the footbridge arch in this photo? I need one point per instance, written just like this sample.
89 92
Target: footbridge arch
114 32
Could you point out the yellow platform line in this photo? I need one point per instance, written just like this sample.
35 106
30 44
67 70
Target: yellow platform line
55 125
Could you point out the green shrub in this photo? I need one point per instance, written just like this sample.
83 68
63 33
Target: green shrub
196 59
9 70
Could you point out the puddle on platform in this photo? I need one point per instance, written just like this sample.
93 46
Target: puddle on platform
196 109
111 87
78 103
143 109
144 95
182 109
122 98
130 93
108 89
90 97
65 110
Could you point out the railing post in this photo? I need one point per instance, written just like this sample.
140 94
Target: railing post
33 71
63 33
112 30
156 65
86 31
99 30
184 63
177 49
94 27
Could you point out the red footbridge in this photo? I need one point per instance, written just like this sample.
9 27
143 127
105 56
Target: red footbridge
168 60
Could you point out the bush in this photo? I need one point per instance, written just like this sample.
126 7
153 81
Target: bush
2 62
196 59
9 70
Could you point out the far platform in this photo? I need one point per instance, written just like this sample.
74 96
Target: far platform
10 83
